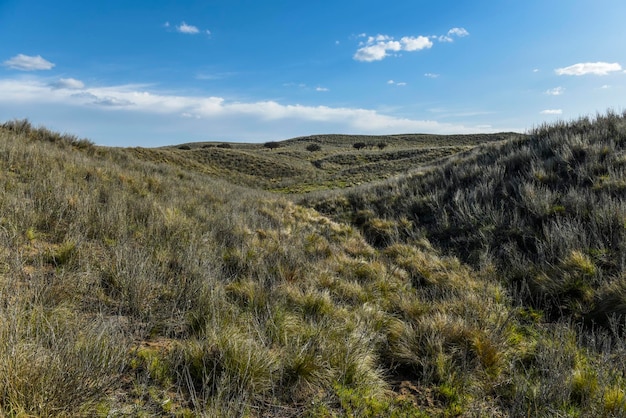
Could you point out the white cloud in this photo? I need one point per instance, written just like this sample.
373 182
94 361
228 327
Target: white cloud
321 89
557 91
378 47
28 63
431 75
249 120
185 28
396 83
188 29
595 68
460 32
415 43
376 50
454 32
68 83
552 112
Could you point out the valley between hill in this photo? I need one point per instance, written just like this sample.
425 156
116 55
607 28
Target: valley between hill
330 275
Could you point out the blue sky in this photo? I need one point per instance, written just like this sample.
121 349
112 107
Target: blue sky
152 73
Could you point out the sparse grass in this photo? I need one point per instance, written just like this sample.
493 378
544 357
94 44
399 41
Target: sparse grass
134 282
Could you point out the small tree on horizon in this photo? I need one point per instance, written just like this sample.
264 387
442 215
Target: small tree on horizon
272 145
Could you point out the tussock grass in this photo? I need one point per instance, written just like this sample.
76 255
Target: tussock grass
542 214
135 282
543 208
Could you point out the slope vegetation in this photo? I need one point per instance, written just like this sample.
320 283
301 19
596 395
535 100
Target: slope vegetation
318 162
547 211
133 283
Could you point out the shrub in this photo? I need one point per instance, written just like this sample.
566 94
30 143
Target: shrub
359 145
272 145
313 147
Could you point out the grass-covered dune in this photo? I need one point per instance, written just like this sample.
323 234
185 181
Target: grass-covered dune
547 211
136 282
317 162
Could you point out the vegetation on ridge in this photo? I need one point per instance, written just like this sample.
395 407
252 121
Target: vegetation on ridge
166 291
338 161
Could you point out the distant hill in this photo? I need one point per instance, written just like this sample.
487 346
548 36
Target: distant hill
293 166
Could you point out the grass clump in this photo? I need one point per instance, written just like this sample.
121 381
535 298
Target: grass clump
54 363
136 282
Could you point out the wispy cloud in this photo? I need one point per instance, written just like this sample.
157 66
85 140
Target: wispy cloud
557 91
215 76
396 83
68 83
293 84
431 75
28 63
112 101
303 86
187 29
552 112
584 68
217 111
452 33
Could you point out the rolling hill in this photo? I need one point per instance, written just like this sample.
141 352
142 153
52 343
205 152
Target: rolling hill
292 166
431 276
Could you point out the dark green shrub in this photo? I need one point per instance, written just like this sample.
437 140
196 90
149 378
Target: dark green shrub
272 145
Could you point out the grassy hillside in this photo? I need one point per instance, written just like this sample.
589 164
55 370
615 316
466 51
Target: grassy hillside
138 282
547 211
318 162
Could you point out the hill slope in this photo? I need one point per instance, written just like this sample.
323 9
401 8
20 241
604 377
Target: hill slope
548 211
316 162
132 287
